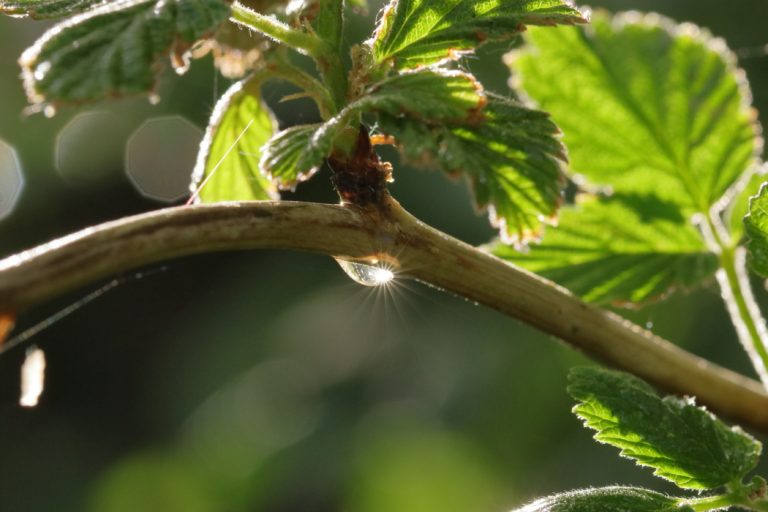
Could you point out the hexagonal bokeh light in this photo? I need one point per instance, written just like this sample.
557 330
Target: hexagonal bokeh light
160 157
11 179
90 147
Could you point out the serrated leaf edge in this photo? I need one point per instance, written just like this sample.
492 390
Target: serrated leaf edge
474 114
29 58
452 54
699 34
686 400
301 176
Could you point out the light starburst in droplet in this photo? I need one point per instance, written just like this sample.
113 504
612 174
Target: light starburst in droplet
366 274
382 276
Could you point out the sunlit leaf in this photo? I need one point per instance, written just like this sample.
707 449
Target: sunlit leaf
414 33
114 49
433 95
646 106
625 249
681 442
43 9
241 123
510 158
606 499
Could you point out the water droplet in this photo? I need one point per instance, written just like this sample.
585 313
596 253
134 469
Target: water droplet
32 377
49 111
367 275
649 325
154 99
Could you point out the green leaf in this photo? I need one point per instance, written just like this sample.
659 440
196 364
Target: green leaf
756 225
295 154
414 33
510 158
626 248
44 9
606 499
681 442
431 95
739 198
646 106
329 21
228 163
114 50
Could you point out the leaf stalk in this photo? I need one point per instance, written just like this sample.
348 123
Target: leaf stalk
737 294
279 31
328 61
749 496
718 502
280 67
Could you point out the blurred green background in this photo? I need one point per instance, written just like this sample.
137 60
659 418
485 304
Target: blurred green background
269 381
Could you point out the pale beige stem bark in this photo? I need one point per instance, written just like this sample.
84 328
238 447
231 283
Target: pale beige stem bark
384 233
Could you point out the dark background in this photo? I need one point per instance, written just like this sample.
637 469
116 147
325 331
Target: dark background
268 380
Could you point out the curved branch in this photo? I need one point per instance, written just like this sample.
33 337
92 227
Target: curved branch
384 233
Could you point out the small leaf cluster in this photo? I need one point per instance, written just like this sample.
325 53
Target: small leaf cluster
681 442
406 81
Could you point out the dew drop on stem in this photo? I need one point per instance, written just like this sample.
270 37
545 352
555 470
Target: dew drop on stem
367 275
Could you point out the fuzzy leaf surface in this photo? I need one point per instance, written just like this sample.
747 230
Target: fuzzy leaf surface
432 95
681 442
510 159
646 106
45 9
415 33
617 250
606 499
241 123
114 50
295 154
